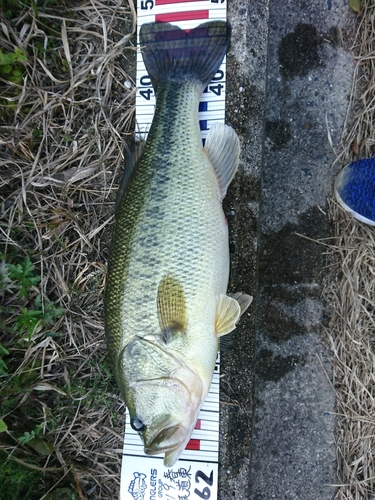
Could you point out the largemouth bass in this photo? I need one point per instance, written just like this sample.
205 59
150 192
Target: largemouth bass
165 301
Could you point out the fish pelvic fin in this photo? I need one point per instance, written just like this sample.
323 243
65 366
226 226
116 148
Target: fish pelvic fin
223 149
168 51
228 312
171 306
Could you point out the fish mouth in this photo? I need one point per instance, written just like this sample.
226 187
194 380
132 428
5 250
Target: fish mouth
172 451
172 436
166 432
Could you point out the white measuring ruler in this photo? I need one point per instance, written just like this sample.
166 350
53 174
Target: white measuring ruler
194 476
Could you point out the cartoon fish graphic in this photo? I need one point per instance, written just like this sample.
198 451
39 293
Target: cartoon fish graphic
165 302
138 486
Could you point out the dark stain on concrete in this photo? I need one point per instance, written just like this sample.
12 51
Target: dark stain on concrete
237 355
334 37
271 368
245 102
277 326
289 269
300 51
287 257
278 131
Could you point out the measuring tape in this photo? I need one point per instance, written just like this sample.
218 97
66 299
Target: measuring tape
194 476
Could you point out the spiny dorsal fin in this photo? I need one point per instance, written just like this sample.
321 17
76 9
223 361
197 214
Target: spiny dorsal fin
171 307
133 152
229 310
223 149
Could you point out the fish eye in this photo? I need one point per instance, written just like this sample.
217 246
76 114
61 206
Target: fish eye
137 424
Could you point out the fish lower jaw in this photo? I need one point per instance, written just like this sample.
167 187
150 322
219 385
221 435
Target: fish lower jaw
156 447
172 451
171 455
169 452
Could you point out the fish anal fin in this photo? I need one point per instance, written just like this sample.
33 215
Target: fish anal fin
171 306
223 150
228 312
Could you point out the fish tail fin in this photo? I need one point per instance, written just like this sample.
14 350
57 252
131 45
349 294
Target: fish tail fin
169 51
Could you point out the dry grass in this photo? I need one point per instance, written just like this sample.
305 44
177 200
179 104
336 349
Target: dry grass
350 291
61 142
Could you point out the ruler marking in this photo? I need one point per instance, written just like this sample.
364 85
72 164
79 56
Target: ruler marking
167 2
181 16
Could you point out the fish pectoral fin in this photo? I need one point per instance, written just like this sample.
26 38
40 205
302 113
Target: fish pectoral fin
171 306
223 149
243 299
227 314
229 310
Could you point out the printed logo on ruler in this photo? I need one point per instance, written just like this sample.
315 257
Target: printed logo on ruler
186 14
193 477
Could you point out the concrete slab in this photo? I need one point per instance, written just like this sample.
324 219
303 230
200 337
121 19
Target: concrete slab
308 83
289 81
246 63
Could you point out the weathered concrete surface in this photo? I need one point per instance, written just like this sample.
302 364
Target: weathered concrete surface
288 82
246 63
308 83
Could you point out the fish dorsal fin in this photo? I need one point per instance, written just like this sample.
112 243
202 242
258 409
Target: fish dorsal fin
229 310
223 149
133 152
171 307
